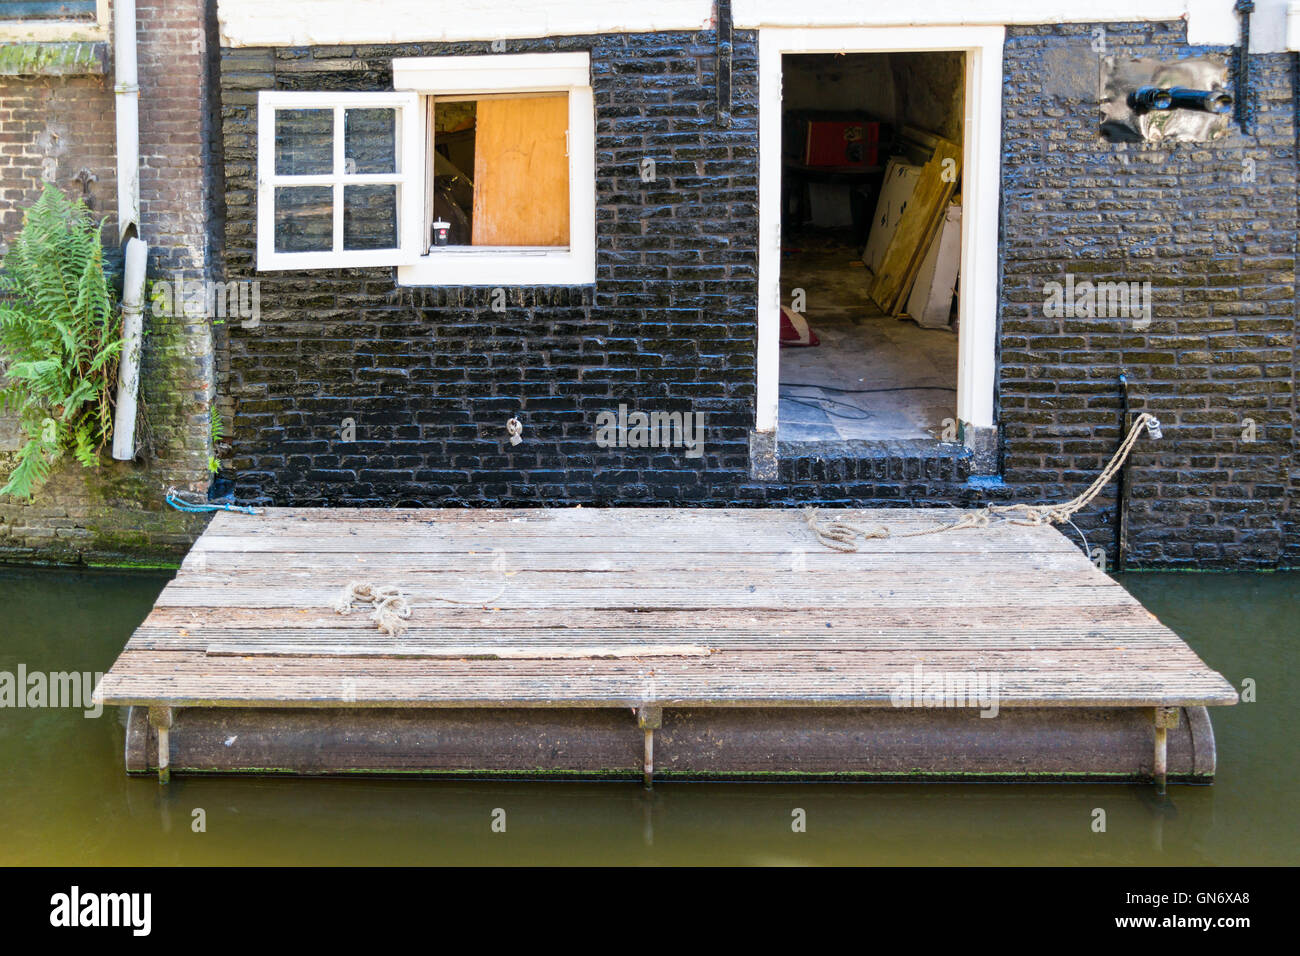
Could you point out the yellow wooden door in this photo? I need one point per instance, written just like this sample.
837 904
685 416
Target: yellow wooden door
521 171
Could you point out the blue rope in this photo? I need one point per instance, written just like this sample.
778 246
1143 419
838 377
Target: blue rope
180 504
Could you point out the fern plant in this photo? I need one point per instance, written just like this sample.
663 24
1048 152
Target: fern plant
218 431
60 336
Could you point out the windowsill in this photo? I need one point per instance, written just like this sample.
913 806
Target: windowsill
52 31
498 251
500 266
858 449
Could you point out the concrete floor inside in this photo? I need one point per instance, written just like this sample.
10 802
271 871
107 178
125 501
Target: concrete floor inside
824 388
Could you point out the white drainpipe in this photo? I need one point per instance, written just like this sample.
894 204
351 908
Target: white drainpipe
127 110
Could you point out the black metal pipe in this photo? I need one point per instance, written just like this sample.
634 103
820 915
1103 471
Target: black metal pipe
1121 511
1147 99
1207 101
724 62
1241 68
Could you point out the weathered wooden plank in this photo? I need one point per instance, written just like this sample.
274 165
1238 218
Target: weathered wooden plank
934 187
739 531
1009 620
968 541
753 679
400 647
1152 657
491 579
600 608
614 518
584 521
1152 645
809 597
812 561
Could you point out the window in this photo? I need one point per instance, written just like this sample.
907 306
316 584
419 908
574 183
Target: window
511 147
338 174
39 20
478 170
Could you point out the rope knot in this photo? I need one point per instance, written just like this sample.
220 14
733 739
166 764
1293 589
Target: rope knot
390 608
840 535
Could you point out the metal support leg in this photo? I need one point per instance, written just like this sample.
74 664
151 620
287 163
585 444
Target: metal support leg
161 719
1165 718
649 718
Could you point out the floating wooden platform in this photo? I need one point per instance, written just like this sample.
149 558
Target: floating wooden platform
560 640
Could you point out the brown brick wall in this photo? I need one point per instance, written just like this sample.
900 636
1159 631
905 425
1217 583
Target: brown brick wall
54 127
173 132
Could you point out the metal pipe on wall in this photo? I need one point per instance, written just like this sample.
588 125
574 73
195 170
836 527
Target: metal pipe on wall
128 371
1245 108
127 113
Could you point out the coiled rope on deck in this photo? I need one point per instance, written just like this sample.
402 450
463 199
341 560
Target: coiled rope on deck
390 609
840 535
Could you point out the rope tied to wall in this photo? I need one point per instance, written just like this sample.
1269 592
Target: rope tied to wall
840 535
193 503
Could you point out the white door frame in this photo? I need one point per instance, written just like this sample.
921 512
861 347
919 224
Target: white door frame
981 187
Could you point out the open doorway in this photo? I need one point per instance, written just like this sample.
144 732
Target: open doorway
870 262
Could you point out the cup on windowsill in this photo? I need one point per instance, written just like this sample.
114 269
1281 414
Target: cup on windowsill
441 231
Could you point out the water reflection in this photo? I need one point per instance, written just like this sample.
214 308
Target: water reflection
63 786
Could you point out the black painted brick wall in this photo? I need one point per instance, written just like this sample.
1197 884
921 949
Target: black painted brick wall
431 375
1220 254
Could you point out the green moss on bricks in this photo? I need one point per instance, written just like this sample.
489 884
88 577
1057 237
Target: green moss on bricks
112 517
130 564
53 59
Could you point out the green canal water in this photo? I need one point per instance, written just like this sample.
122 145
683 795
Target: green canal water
64 798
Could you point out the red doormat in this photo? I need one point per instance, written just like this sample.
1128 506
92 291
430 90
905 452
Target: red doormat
795 331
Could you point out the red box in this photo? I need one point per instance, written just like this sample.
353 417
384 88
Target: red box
832 143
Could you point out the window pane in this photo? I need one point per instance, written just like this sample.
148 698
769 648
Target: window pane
370 217
304 142
304 218
81 10
370 141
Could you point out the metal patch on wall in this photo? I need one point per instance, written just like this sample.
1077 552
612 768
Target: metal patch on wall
1158 101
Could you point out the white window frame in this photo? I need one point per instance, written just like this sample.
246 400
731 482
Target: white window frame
981 193
408 179
37 31
569 73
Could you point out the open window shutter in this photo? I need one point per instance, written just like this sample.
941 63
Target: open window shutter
340 180
521 171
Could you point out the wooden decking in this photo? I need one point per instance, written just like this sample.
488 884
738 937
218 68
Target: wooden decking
597 608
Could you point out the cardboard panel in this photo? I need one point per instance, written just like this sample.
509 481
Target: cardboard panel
521 171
